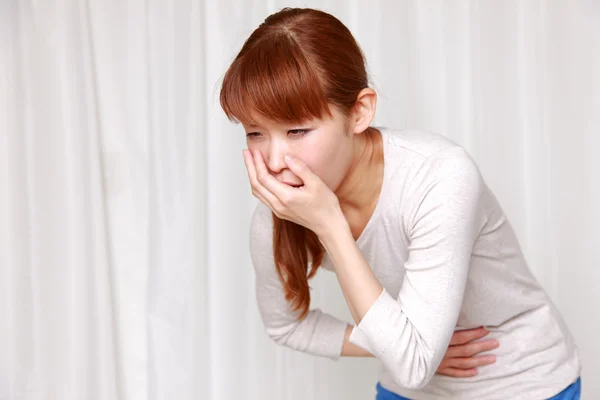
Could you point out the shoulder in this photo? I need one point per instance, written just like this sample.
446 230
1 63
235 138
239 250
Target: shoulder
449 177
261 234
428 156
448 188
262 220
419 142
441 180
452 163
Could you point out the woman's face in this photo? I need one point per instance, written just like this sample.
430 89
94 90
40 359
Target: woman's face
324 145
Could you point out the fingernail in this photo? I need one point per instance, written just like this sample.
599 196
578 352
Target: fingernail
289 158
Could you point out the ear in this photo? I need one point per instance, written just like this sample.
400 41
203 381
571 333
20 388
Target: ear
364 110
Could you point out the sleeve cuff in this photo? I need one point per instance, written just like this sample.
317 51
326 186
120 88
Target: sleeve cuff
328 337
373 333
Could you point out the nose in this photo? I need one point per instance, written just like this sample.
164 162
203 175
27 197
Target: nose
275 157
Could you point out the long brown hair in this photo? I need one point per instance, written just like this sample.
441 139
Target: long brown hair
291 68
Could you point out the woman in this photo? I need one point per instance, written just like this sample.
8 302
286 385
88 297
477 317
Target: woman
418 242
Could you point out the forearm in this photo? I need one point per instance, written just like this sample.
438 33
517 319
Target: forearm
352 350
357 281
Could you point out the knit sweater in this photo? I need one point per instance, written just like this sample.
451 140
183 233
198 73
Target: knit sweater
448 259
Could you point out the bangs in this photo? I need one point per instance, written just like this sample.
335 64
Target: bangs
274 79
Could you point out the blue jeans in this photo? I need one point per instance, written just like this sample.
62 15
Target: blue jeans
573 392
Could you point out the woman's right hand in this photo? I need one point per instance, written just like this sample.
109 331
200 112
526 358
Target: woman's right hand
460 360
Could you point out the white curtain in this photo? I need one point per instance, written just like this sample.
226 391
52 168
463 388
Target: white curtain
124 201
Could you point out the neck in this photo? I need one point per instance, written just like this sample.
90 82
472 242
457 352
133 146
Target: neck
360 188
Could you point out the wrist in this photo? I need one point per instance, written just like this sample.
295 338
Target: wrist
334 229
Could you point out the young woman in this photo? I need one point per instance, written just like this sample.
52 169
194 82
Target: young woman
418 242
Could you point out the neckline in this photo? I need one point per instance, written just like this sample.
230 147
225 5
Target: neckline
382 191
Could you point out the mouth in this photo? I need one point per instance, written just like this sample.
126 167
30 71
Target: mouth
294 185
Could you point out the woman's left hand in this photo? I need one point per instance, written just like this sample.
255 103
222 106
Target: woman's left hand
312 205
461 359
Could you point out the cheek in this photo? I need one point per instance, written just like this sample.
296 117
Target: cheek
252 146
328 163
263 149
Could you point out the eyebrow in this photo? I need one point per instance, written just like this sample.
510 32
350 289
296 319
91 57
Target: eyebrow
250 126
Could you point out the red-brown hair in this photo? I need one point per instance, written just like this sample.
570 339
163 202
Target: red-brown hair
296 64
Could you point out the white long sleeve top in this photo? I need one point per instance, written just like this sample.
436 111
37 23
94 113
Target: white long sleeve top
447 258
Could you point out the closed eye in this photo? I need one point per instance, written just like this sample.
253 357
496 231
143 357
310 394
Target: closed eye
292 132
298 132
